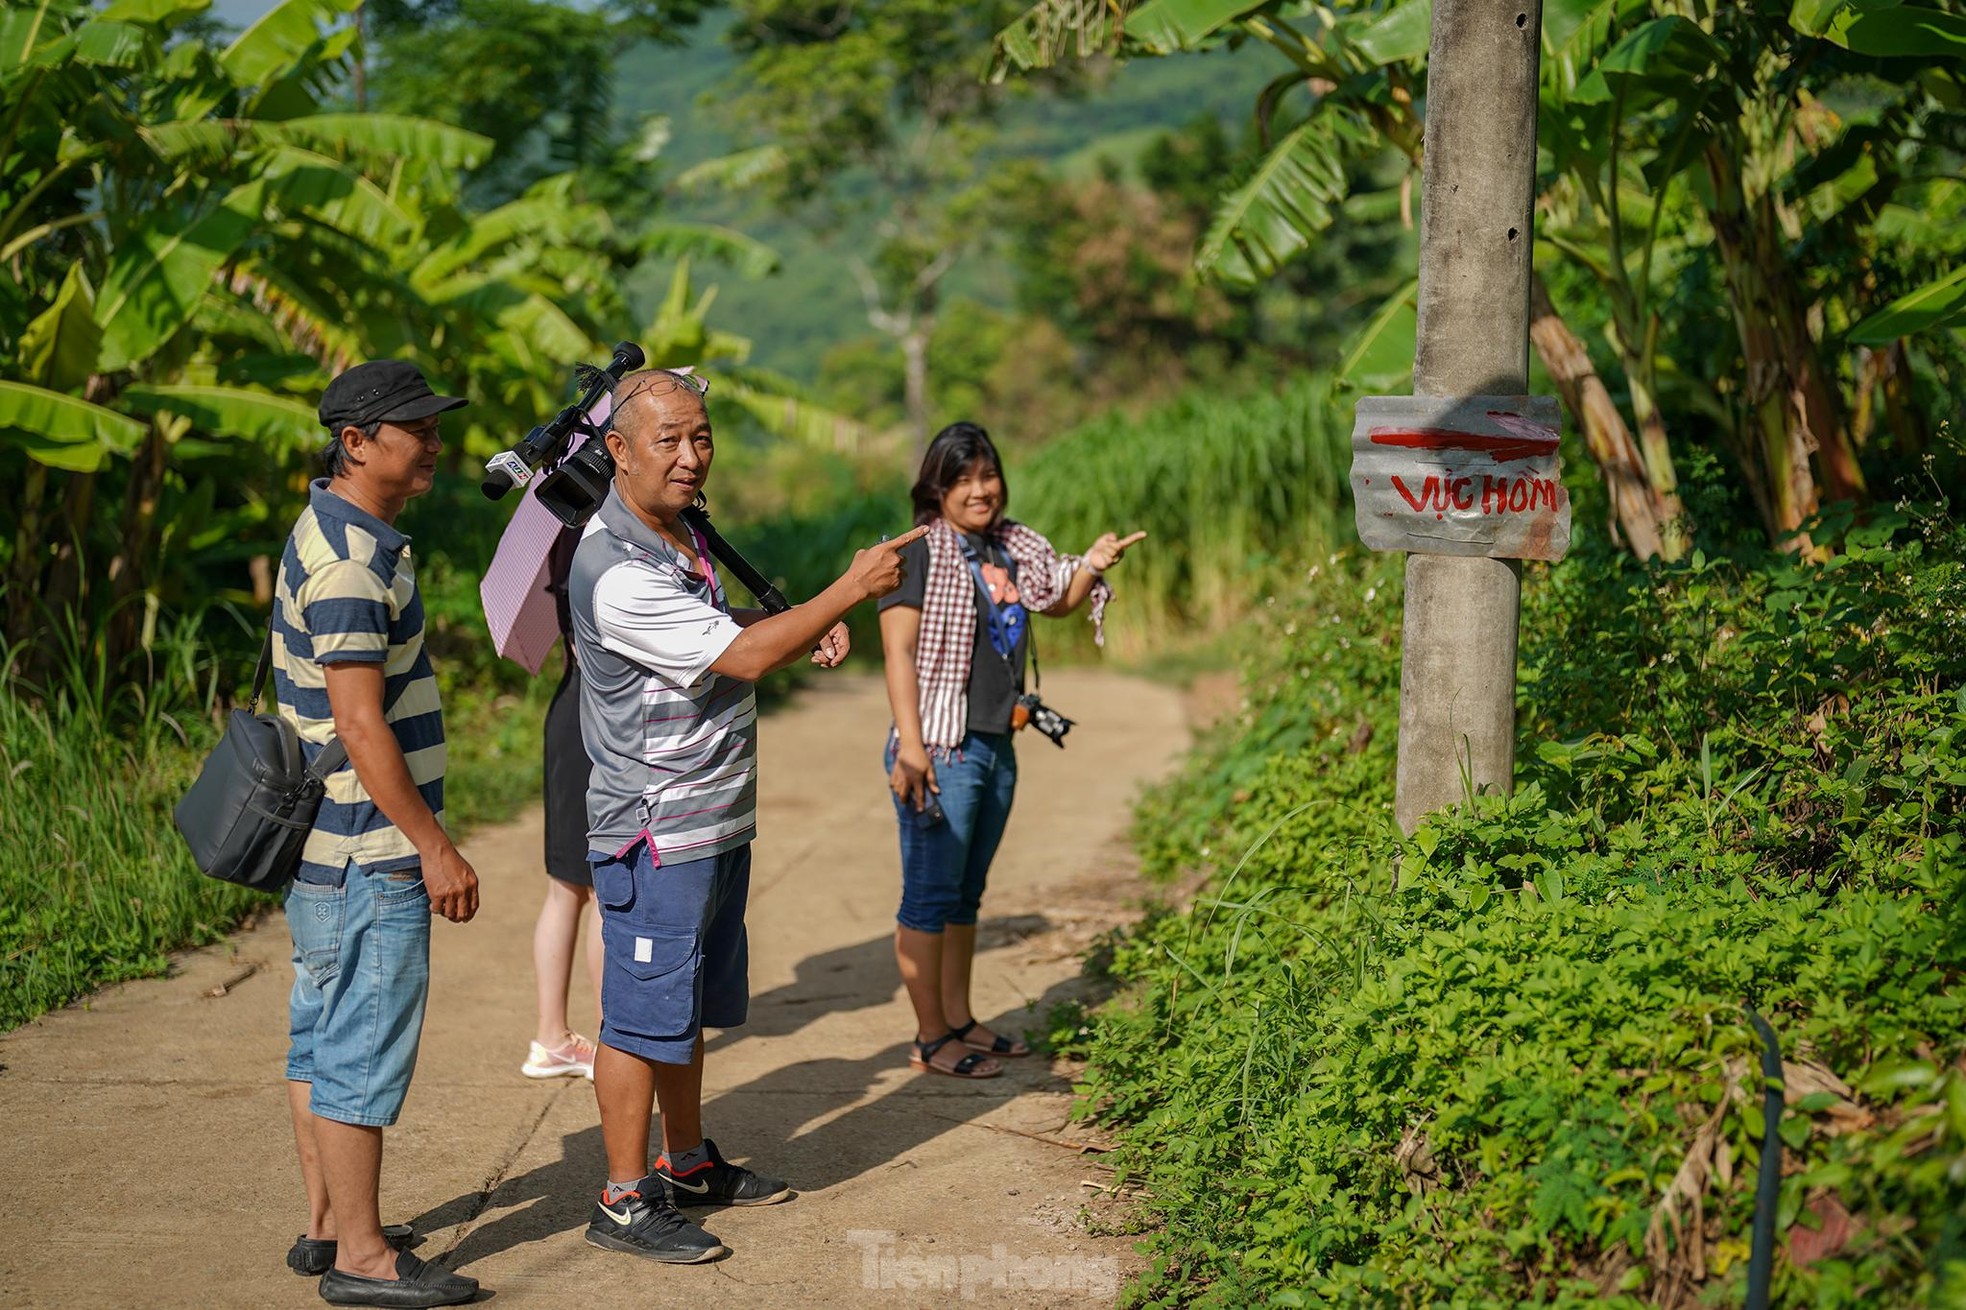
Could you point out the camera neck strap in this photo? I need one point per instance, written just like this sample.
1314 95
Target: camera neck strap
1009 620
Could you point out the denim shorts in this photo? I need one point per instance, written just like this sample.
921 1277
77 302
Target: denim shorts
675 956
361 977
944 865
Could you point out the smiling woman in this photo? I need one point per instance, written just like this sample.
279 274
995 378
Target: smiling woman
956 637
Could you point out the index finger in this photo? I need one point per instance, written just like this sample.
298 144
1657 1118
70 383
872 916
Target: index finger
1132 539
912 534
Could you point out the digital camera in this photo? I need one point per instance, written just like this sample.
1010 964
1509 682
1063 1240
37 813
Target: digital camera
1041 716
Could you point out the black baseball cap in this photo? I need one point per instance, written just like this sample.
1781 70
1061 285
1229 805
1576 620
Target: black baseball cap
383 390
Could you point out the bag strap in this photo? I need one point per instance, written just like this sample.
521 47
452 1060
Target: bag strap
265 667
333 754
1029 629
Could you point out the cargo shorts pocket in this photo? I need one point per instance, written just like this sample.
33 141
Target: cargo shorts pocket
649 986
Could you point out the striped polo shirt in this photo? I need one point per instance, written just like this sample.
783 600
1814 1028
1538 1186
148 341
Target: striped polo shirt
673 744
347 595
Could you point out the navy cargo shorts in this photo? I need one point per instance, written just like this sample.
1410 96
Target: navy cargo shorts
676 960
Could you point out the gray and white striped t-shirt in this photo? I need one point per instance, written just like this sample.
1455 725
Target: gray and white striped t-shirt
674 746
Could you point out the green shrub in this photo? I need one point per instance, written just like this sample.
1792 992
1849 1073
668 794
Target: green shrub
95 886
1507 1061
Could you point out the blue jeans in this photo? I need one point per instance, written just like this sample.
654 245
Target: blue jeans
944 865
361 977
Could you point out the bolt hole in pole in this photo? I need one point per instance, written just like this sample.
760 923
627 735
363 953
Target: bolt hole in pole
1522 20
1512 234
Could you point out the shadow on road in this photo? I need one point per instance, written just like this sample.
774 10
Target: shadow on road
785 1121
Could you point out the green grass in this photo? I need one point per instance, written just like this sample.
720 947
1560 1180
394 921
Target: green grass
95 885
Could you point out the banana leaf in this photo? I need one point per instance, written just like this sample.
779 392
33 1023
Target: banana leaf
61 431
280 39
59 348
1273 217
160 271
1936 305
232 412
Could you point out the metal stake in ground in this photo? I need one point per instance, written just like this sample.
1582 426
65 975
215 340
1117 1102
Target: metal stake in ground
1457 681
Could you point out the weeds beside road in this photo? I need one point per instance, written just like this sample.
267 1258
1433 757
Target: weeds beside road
95 885
1506 1061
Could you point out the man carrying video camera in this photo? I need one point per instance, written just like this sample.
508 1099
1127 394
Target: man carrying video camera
670 722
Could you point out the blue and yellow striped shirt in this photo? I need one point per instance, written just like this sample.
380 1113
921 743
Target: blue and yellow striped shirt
347 595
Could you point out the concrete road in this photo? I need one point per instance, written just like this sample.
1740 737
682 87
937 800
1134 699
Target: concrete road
146 1158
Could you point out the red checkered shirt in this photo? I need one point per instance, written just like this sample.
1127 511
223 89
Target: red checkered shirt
948 636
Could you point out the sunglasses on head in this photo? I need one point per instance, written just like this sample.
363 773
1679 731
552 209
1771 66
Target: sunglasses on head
655 377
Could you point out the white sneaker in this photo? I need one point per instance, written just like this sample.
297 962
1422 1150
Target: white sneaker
573 1060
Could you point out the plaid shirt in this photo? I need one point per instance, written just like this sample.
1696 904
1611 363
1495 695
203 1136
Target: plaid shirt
948 636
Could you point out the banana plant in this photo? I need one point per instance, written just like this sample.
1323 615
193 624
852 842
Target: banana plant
1361 68
1673 131
170 213
1346 96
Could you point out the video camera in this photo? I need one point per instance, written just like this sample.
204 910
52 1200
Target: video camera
579 482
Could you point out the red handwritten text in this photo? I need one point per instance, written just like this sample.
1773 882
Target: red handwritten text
1496 495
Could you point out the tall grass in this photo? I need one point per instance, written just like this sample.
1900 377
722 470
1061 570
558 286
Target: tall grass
1231 491
95 885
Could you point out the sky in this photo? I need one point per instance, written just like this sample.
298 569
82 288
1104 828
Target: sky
239 13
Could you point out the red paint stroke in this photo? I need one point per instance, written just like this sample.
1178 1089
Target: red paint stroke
1497 448
1520 426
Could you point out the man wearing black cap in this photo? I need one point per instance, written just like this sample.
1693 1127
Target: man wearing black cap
349 663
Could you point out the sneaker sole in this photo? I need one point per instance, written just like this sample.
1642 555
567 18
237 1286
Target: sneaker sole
682 1199
608 1242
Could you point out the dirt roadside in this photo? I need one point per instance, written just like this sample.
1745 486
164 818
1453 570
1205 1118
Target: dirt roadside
147 1161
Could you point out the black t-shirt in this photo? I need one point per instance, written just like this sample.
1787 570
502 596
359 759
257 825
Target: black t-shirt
994 682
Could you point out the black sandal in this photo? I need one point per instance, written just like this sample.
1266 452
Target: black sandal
1002 1048
923 1059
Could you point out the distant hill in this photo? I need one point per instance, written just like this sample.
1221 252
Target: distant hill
812 303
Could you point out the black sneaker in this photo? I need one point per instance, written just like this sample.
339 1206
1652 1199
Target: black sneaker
310 1257
719 1182
416 1285
649 1226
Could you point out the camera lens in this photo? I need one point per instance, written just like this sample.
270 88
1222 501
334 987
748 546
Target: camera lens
573 491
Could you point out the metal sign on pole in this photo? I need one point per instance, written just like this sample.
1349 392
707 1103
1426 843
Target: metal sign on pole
1463 474
1477 476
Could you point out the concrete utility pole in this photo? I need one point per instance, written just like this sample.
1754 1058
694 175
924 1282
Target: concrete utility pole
1478 183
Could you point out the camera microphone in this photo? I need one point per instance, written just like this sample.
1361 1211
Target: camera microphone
503 472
